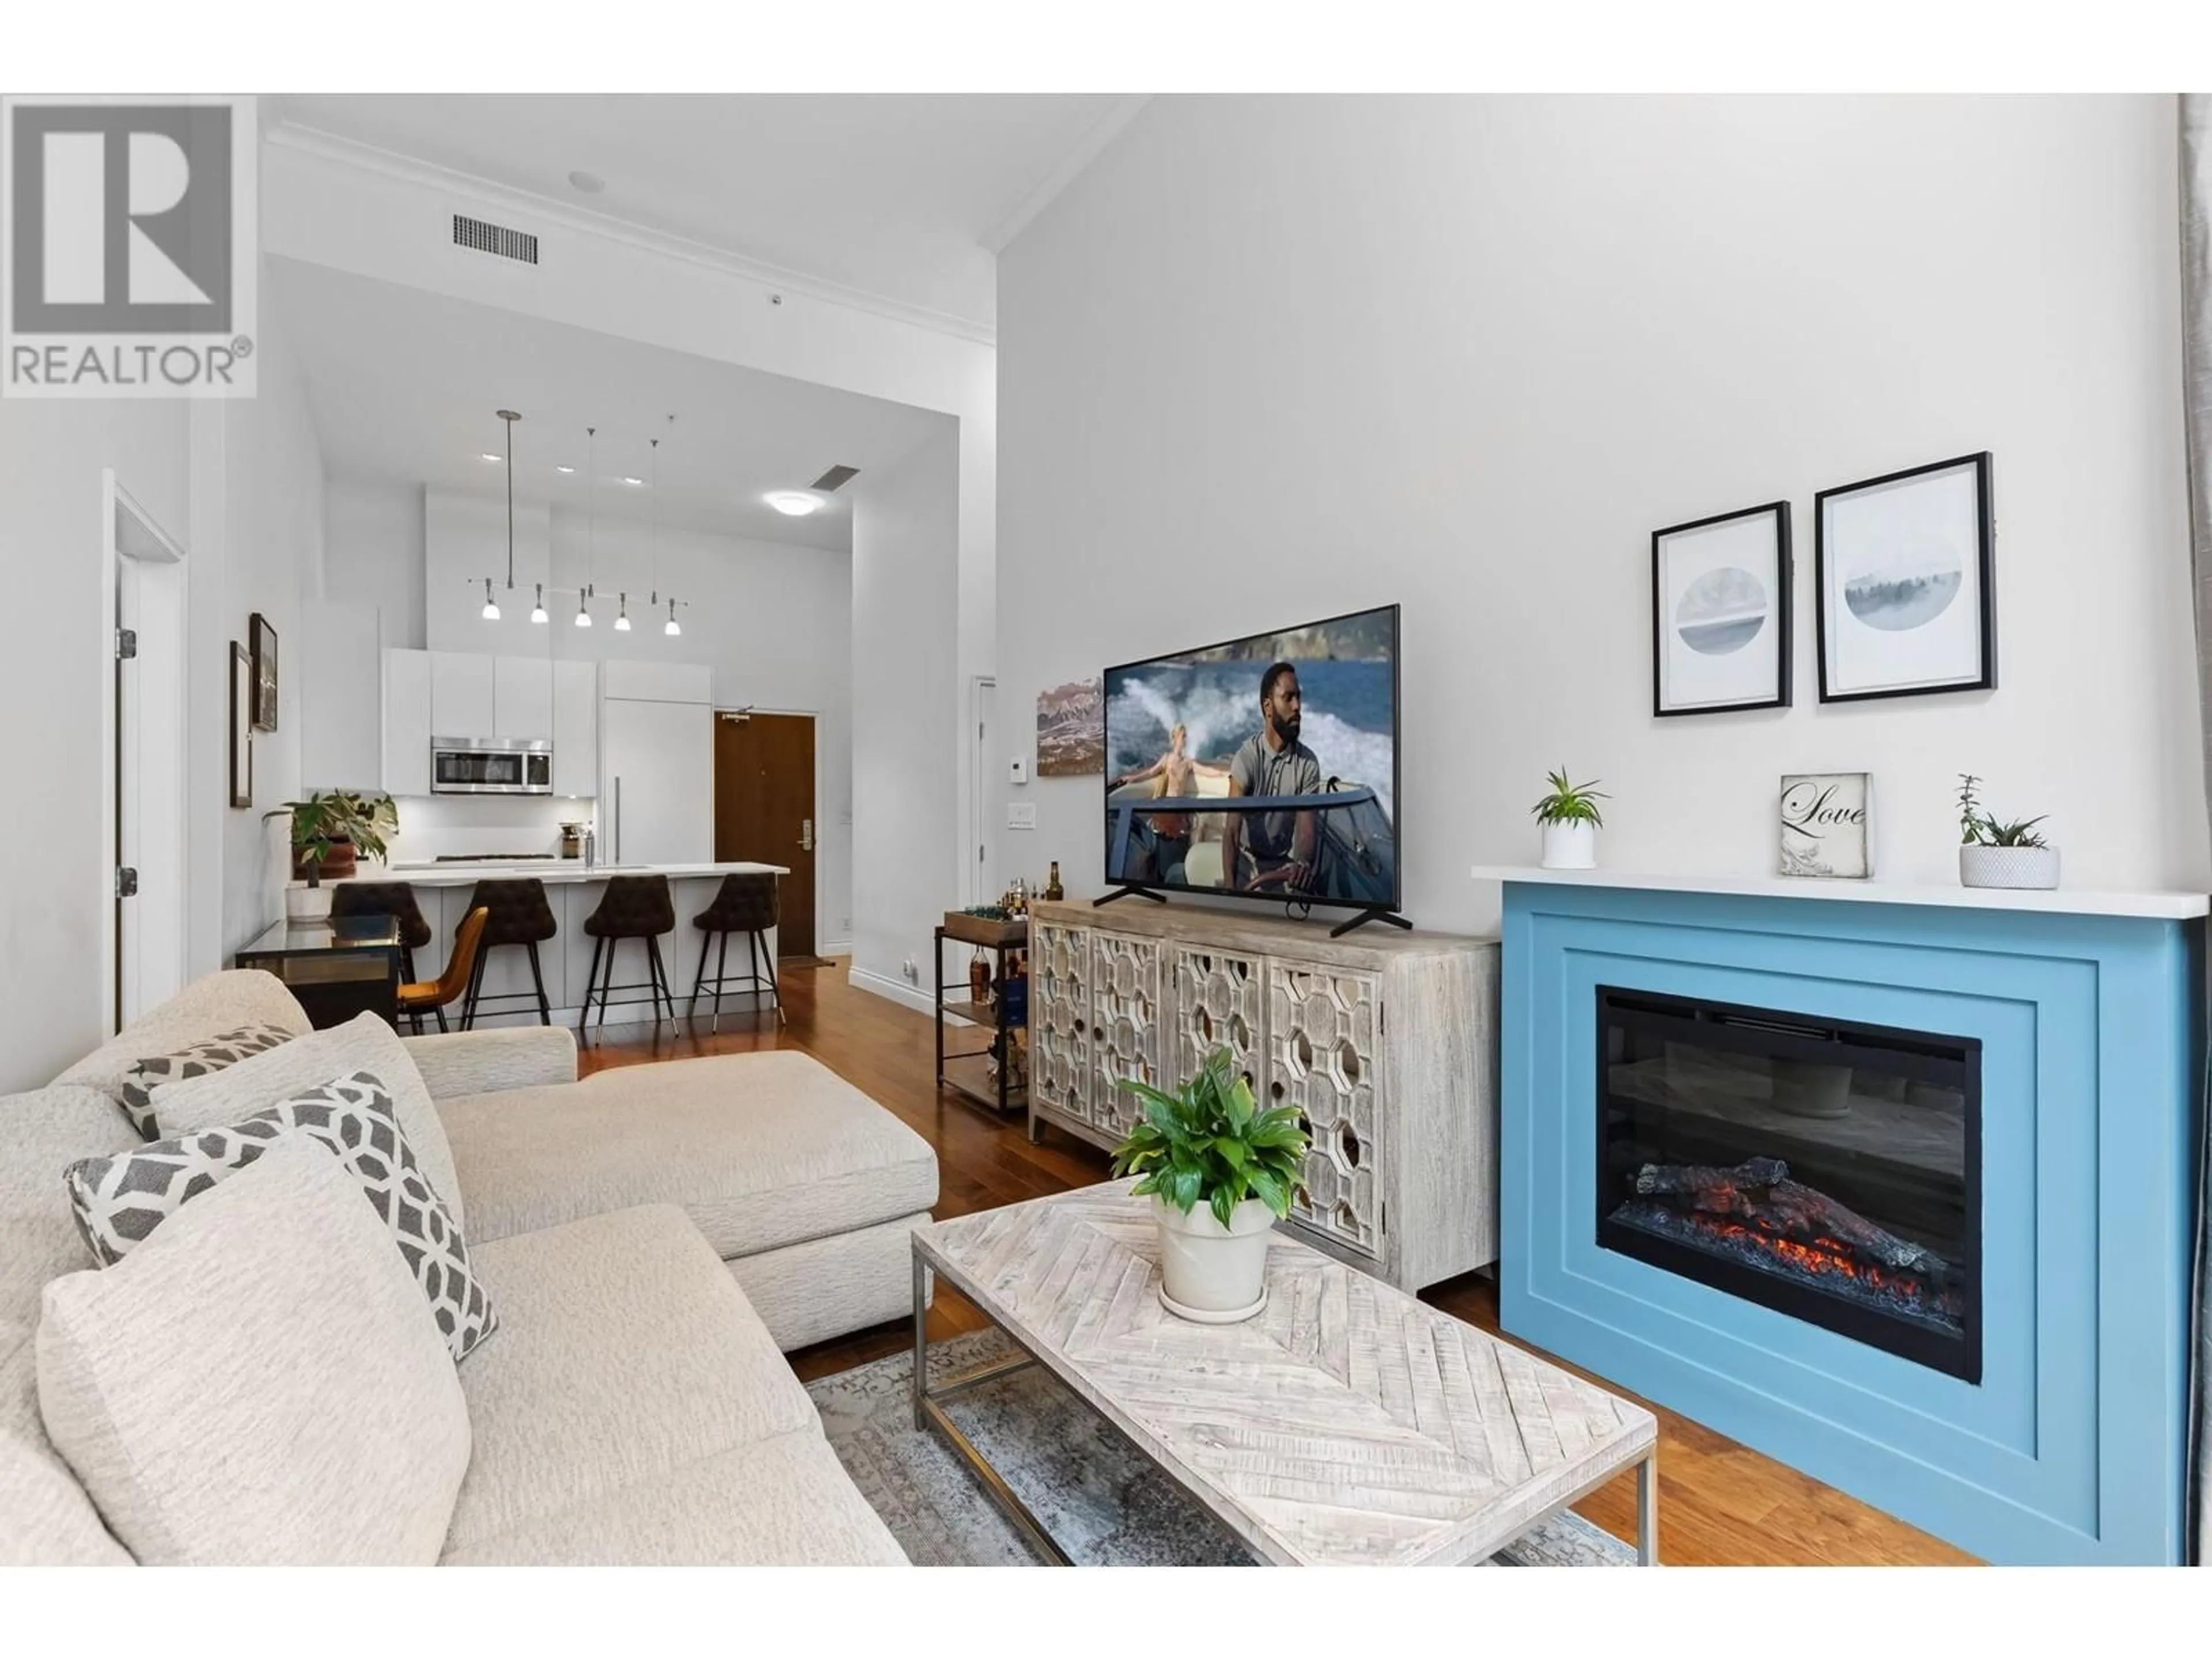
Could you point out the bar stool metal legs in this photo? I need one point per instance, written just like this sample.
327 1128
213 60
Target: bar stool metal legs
752 982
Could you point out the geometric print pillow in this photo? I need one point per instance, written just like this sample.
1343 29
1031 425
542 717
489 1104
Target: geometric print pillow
210 1054
119 1201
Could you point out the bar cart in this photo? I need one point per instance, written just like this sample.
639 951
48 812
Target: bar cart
985 1075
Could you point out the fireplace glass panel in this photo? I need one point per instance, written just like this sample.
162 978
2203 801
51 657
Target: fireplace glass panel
1828 1171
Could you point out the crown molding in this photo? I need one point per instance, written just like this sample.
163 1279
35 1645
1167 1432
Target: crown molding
484 193
1102 132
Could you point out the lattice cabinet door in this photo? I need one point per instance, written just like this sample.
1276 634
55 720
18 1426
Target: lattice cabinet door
1060 1019
1126 1020
1218 998
1324 1057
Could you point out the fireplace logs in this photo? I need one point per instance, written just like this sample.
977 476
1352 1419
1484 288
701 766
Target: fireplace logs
1756 1208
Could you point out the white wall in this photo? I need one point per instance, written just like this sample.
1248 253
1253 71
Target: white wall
1274 358
907 843
373 552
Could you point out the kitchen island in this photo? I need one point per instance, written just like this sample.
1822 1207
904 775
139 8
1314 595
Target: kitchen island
573 889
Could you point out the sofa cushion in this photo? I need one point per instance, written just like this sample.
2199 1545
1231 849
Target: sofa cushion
221 1001
46 1520
201 1059
784 1502
365 1044
760 1150
257 1383
119 1201
483 1062
41 1135
625 1353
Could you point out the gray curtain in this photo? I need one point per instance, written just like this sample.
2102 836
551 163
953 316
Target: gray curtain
2197 402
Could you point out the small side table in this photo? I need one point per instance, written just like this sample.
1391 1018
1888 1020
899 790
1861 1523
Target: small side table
337 968
969 1074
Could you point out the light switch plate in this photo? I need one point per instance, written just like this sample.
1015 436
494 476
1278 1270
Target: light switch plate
1017 770
1022 817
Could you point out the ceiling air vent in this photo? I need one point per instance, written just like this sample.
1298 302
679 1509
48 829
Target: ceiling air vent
836 476
488 238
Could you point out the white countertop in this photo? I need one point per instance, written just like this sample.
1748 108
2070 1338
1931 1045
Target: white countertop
551 871
2065 901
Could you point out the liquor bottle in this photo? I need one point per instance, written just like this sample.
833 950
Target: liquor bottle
1052 890
978 979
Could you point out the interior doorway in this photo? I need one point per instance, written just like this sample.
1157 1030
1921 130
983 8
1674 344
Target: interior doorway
764 808
142 710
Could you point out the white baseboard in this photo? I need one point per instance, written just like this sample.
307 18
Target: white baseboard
835 947
891 990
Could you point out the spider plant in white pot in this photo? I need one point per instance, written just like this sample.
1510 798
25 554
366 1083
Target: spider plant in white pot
1221 1173
1994 854
1571 820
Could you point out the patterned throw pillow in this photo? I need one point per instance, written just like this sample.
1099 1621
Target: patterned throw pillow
210 1054
119 1201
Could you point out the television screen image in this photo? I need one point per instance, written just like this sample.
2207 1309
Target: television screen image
1297 728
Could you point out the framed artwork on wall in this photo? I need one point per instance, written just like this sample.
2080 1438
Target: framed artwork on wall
1905 583
264 672
1826 825
1072 729
1720 612
241 727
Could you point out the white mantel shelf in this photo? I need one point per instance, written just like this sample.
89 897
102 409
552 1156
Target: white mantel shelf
2063 901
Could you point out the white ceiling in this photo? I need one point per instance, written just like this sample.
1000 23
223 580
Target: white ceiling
907 199
404 384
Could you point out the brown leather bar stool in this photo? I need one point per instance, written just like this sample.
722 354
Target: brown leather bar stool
433 995
747 905
633 907
385 898
519 915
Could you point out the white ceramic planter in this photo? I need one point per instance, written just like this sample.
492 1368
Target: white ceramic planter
1210 1273
1570 845
305 903
2008 867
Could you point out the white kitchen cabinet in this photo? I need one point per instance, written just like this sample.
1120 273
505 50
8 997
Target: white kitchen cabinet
341 695
657 797
462 695
576 728
522 697
407 703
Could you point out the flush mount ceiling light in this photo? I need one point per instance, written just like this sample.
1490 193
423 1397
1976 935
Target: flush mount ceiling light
488 456
564 469
633 481
796 503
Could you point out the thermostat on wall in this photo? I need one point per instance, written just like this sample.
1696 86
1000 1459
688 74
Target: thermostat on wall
1017 770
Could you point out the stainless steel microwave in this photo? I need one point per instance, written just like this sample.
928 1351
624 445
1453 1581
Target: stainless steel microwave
491 766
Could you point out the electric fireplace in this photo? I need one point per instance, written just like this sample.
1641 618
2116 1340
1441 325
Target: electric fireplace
1828 1171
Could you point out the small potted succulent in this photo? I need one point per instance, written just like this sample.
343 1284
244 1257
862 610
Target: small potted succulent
1221 1173
1994 854
330 832
1571 820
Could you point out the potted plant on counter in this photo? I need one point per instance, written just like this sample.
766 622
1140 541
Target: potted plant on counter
1572 821
330 831
1992 853
1221 1173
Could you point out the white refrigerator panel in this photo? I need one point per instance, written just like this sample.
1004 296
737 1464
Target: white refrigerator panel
657 801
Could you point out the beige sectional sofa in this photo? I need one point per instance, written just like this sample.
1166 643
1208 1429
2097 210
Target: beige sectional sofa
650 1237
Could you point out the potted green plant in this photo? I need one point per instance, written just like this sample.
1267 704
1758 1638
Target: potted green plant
329 832
1995 853
1571 820
1221 1173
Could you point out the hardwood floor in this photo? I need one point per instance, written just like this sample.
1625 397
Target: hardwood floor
1721 1504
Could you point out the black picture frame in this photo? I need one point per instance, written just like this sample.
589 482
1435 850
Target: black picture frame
264 638
1784 611
241 727
1985 561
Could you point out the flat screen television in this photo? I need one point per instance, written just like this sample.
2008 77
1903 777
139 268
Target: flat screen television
1263 767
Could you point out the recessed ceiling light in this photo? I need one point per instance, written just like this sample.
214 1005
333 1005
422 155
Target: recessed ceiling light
798 503
633 481
564 469
488 456
590 183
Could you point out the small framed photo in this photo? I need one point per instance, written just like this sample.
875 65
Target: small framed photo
1826 824
1720 613
1905 583
264 672
241 727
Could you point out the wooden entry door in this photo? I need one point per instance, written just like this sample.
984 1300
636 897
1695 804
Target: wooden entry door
764 808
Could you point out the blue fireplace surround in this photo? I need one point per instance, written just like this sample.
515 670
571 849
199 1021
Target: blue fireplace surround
2071 1447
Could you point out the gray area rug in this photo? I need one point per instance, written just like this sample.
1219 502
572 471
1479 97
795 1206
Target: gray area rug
1099 1498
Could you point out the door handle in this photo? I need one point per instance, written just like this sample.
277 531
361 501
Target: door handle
807 835
617 820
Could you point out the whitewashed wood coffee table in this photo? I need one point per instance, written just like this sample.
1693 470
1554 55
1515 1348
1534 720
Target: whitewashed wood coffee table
1347 1423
